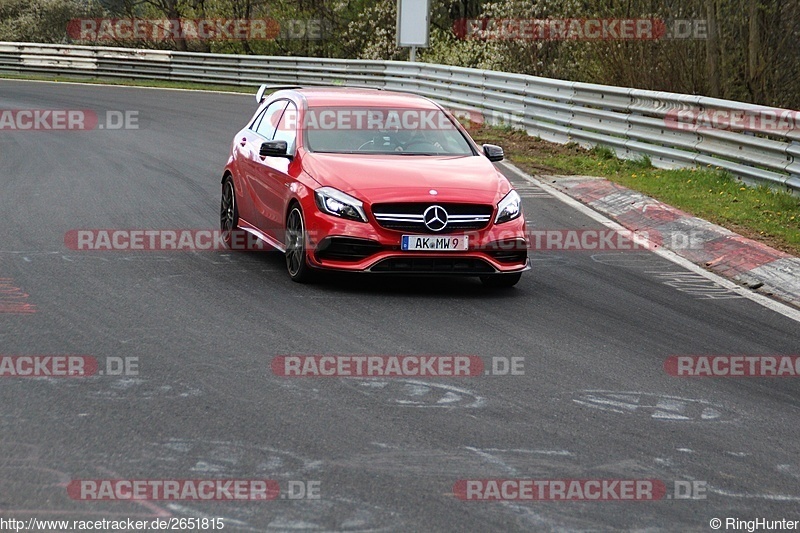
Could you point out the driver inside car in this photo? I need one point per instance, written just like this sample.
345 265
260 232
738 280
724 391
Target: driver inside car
408 139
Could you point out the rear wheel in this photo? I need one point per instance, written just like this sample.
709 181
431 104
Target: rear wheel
501 280
296 264
228 212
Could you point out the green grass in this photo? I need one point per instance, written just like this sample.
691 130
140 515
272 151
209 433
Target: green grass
708 193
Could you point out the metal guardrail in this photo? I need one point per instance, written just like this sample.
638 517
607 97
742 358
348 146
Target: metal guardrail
760 145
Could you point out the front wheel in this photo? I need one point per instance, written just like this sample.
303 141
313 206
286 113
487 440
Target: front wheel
501 280
296 263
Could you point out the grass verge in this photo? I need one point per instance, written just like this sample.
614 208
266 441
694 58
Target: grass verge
765 215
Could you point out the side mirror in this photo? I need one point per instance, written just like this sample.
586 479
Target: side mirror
493 152
274 149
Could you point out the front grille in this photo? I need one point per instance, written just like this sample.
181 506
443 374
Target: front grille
433 265
346 249
410 216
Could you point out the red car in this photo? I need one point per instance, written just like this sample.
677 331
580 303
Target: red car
367 180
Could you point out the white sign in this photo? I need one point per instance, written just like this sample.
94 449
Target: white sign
412 23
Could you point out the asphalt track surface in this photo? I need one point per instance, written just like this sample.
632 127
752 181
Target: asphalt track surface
594 330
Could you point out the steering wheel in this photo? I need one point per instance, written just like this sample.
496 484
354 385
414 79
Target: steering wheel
376 146
371 141
436 146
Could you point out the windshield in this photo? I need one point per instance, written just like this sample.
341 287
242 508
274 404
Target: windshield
383 130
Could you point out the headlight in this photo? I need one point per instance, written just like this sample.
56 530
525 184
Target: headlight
336 203
509 207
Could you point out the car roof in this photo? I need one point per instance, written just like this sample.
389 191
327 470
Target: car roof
361 97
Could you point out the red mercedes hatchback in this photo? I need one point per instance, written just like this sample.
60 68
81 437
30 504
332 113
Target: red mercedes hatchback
367 180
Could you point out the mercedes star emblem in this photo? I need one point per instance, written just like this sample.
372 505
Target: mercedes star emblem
435 218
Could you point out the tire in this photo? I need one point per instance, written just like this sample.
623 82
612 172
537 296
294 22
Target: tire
296 264
501 280
228 212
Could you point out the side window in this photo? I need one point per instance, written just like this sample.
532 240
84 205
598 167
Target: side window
257 120
287 127
269 119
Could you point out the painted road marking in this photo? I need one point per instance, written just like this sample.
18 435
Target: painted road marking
13 299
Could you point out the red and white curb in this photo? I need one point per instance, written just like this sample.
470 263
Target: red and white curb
747 262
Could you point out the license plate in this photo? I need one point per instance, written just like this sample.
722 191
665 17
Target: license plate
426 243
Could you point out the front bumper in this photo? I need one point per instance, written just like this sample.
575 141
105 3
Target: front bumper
338 244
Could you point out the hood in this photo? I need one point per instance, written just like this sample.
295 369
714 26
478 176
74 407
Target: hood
400 178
